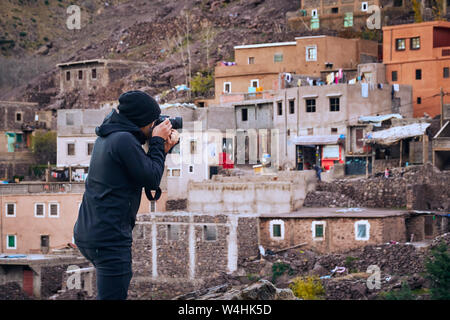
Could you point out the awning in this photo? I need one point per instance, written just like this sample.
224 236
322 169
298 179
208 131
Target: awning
378 119
395 134
316 140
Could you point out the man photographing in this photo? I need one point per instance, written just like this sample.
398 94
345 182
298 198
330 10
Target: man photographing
118 171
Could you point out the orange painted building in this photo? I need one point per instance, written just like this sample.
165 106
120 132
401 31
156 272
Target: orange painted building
260 65
39 217
419 55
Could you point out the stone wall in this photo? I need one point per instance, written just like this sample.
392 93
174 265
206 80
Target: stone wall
339 233
415 187
180 266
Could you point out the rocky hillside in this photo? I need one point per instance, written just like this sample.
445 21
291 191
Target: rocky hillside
34 38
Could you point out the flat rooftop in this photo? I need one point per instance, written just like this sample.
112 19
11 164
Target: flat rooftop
26 259
338 213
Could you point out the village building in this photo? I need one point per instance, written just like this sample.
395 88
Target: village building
441 143
261 68
40 276
90 75
39 217
18 123
328 230
419 55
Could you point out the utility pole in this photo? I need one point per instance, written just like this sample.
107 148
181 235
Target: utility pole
442 107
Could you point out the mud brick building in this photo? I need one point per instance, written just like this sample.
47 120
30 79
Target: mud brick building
329 230
177 252
18 122
38 276
419 55
93 74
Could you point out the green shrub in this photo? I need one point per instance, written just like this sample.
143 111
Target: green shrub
307 288
279 268
404 293
44 147
23 34
201 84
438 271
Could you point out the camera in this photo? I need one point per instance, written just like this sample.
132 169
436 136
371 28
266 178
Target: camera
177 122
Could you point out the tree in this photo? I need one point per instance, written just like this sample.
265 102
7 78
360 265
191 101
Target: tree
417 7
438 269
202 83
44 147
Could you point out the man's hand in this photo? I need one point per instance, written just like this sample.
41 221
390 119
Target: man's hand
163 130
173 140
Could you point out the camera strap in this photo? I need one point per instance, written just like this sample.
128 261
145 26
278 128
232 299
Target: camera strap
150 196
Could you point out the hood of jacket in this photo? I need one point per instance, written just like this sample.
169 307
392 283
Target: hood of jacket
115 122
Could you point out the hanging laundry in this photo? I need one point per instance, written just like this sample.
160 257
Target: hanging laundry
364 90
352 81
288 77
380 86
299 83
251 89
340 74
228 64
330 78
396 87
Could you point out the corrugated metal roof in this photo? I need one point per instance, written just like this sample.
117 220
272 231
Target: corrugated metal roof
316 140
395 134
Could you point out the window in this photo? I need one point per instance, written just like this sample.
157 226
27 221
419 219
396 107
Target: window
276 229
39 210
69 119
278 57
191 169
311 53
90 147
80 74
348 19
335 10
310 131
280 108
400 44
334 104
67 75
173 232
45 241
94 73
362 229
53 210
334 131
210 233
419 100
152 206
314 13
175 172
11 242
71 149
394 76
446 72
19 117
418 74
251 60
318 230
415 43
310 105
244 114
364 6
254 83
193 146
291 106
398 3
10 209
227 87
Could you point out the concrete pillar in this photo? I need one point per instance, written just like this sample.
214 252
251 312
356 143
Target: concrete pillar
232 244
192 252
154 251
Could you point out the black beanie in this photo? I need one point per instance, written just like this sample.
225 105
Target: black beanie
138 107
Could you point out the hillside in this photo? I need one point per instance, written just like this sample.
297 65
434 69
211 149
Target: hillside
158 32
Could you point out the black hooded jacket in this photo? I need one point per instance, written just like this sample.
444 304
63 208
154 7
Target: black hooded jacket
118 171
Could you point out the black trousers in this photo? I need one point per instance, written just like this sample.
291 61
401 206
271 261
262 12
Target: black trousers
113 271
